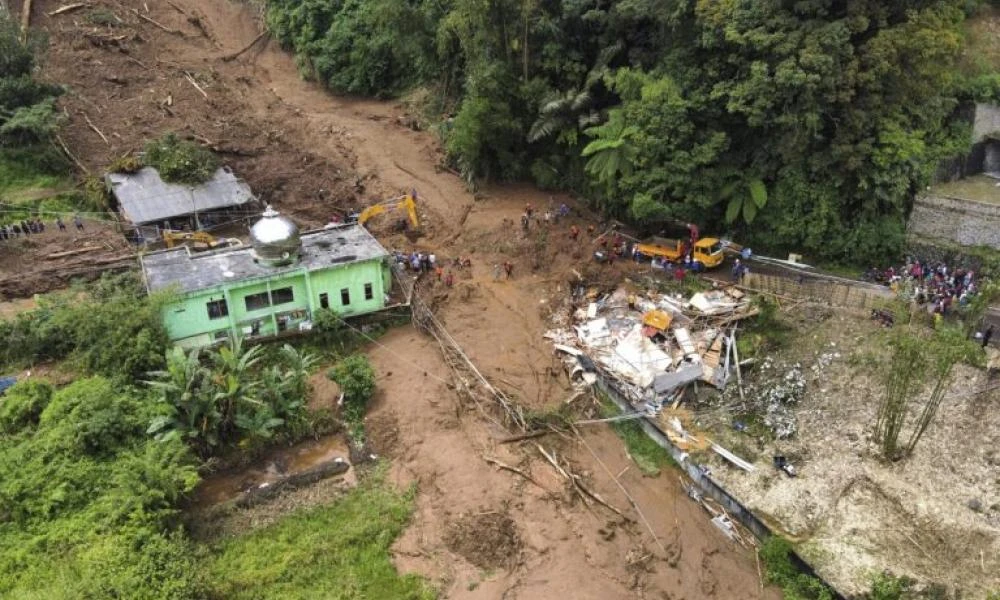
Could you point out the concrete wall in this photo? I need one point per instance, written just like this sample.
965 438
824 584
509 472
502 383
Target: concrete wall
960 221
986 121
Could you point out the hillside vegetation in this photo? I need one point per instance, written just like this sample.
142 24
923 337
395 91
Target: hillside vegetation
97 474
804 125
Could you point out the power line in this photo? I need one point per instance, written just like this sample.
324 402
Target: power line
393 354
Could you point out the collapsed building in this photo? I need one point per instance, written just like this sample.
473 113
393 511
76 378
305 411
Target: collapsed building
652 348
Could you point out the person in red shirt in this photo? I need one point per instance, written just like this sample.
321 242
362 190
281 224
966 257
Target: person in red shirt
693 230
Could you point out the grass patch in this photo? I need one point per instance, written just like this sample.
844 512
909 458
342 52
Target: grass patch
982 44
31 180
338 551
775 555
649 456
31 169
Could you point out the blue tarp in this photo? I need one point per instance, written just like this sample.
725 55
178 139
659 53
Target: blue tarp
6 382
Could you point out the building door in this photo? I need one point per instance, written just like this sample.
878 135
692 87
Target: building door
324 300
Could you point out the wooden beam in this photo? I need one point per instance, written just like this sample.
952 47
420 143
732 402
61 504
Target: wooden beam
25 18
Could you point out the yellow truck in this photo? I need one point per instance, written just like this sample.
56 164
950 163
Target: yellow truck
707 250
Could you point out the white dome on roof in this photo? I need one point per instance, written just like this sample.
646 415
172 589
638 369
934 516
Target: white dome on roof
275 238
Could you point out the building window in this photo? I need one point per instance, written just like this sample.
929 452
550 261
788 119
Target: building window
368 292
282 296
345 296
257 301
217 309
324 300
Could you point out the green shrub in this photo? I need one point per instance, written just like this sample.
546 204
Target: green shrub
22 405
180 161
88 501
775 554
356 379
886 586
110 327
92 418
143 565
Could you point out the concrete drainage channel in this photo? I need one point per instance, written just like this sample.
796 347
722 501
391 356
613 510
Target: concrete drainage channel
705 483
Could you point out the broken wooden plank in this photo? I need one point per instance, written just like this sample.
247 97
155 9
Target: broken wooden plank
67 8
195 84
736 460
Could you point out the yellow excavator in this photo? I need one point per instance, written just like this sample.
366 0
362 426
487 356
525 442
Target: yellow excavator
407 203
197 240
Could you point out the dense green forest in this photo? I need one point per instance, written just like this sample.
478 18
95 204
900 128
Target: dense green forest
805 124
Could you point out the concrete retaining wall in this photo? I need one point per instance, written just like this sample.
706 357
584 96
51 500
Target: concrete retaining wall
961 221
986 122
854 295
705 483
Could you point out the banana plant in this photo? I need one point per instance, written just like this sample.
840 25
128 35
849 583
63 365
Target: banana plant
746 196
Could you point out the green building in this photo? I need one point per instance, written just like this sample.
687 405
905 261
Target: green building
272 287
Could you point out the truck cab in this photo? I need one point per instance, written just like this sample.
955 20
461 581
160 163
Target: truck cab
707 251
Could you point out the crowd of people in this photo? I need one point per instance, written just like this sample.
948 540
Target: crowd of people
443 270
938 286
34 226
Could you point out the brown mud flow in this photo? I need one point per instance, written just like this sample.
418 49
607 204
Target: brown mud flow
309 154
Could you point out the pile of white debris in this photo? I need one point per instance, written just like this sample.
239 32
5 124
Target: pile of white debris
654 346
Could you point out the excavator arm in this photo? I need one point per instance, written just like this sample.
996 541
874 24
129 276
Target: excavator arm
407 203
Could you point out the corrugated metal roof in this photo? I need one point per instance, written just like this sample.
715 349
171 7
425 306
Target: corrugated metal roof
143 197
185 271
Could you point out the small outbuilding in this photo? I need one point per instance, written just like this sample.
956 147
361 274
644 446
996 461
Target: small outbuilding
149 204
271 288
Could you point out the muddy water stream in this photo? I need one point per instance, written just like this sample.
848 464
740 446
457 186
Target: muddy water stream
279 464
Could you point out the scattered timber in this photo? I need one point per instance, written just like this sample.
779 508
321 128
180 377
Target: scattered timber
156 23
56 255
67 8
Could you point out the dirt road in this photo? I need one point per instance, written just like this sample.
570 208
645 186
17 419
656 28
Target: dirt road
311 153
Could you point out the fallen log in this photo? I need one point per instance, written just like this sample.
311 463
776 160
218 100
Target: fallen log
241 51
25 18
523 436
265 492
68 8
66 253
